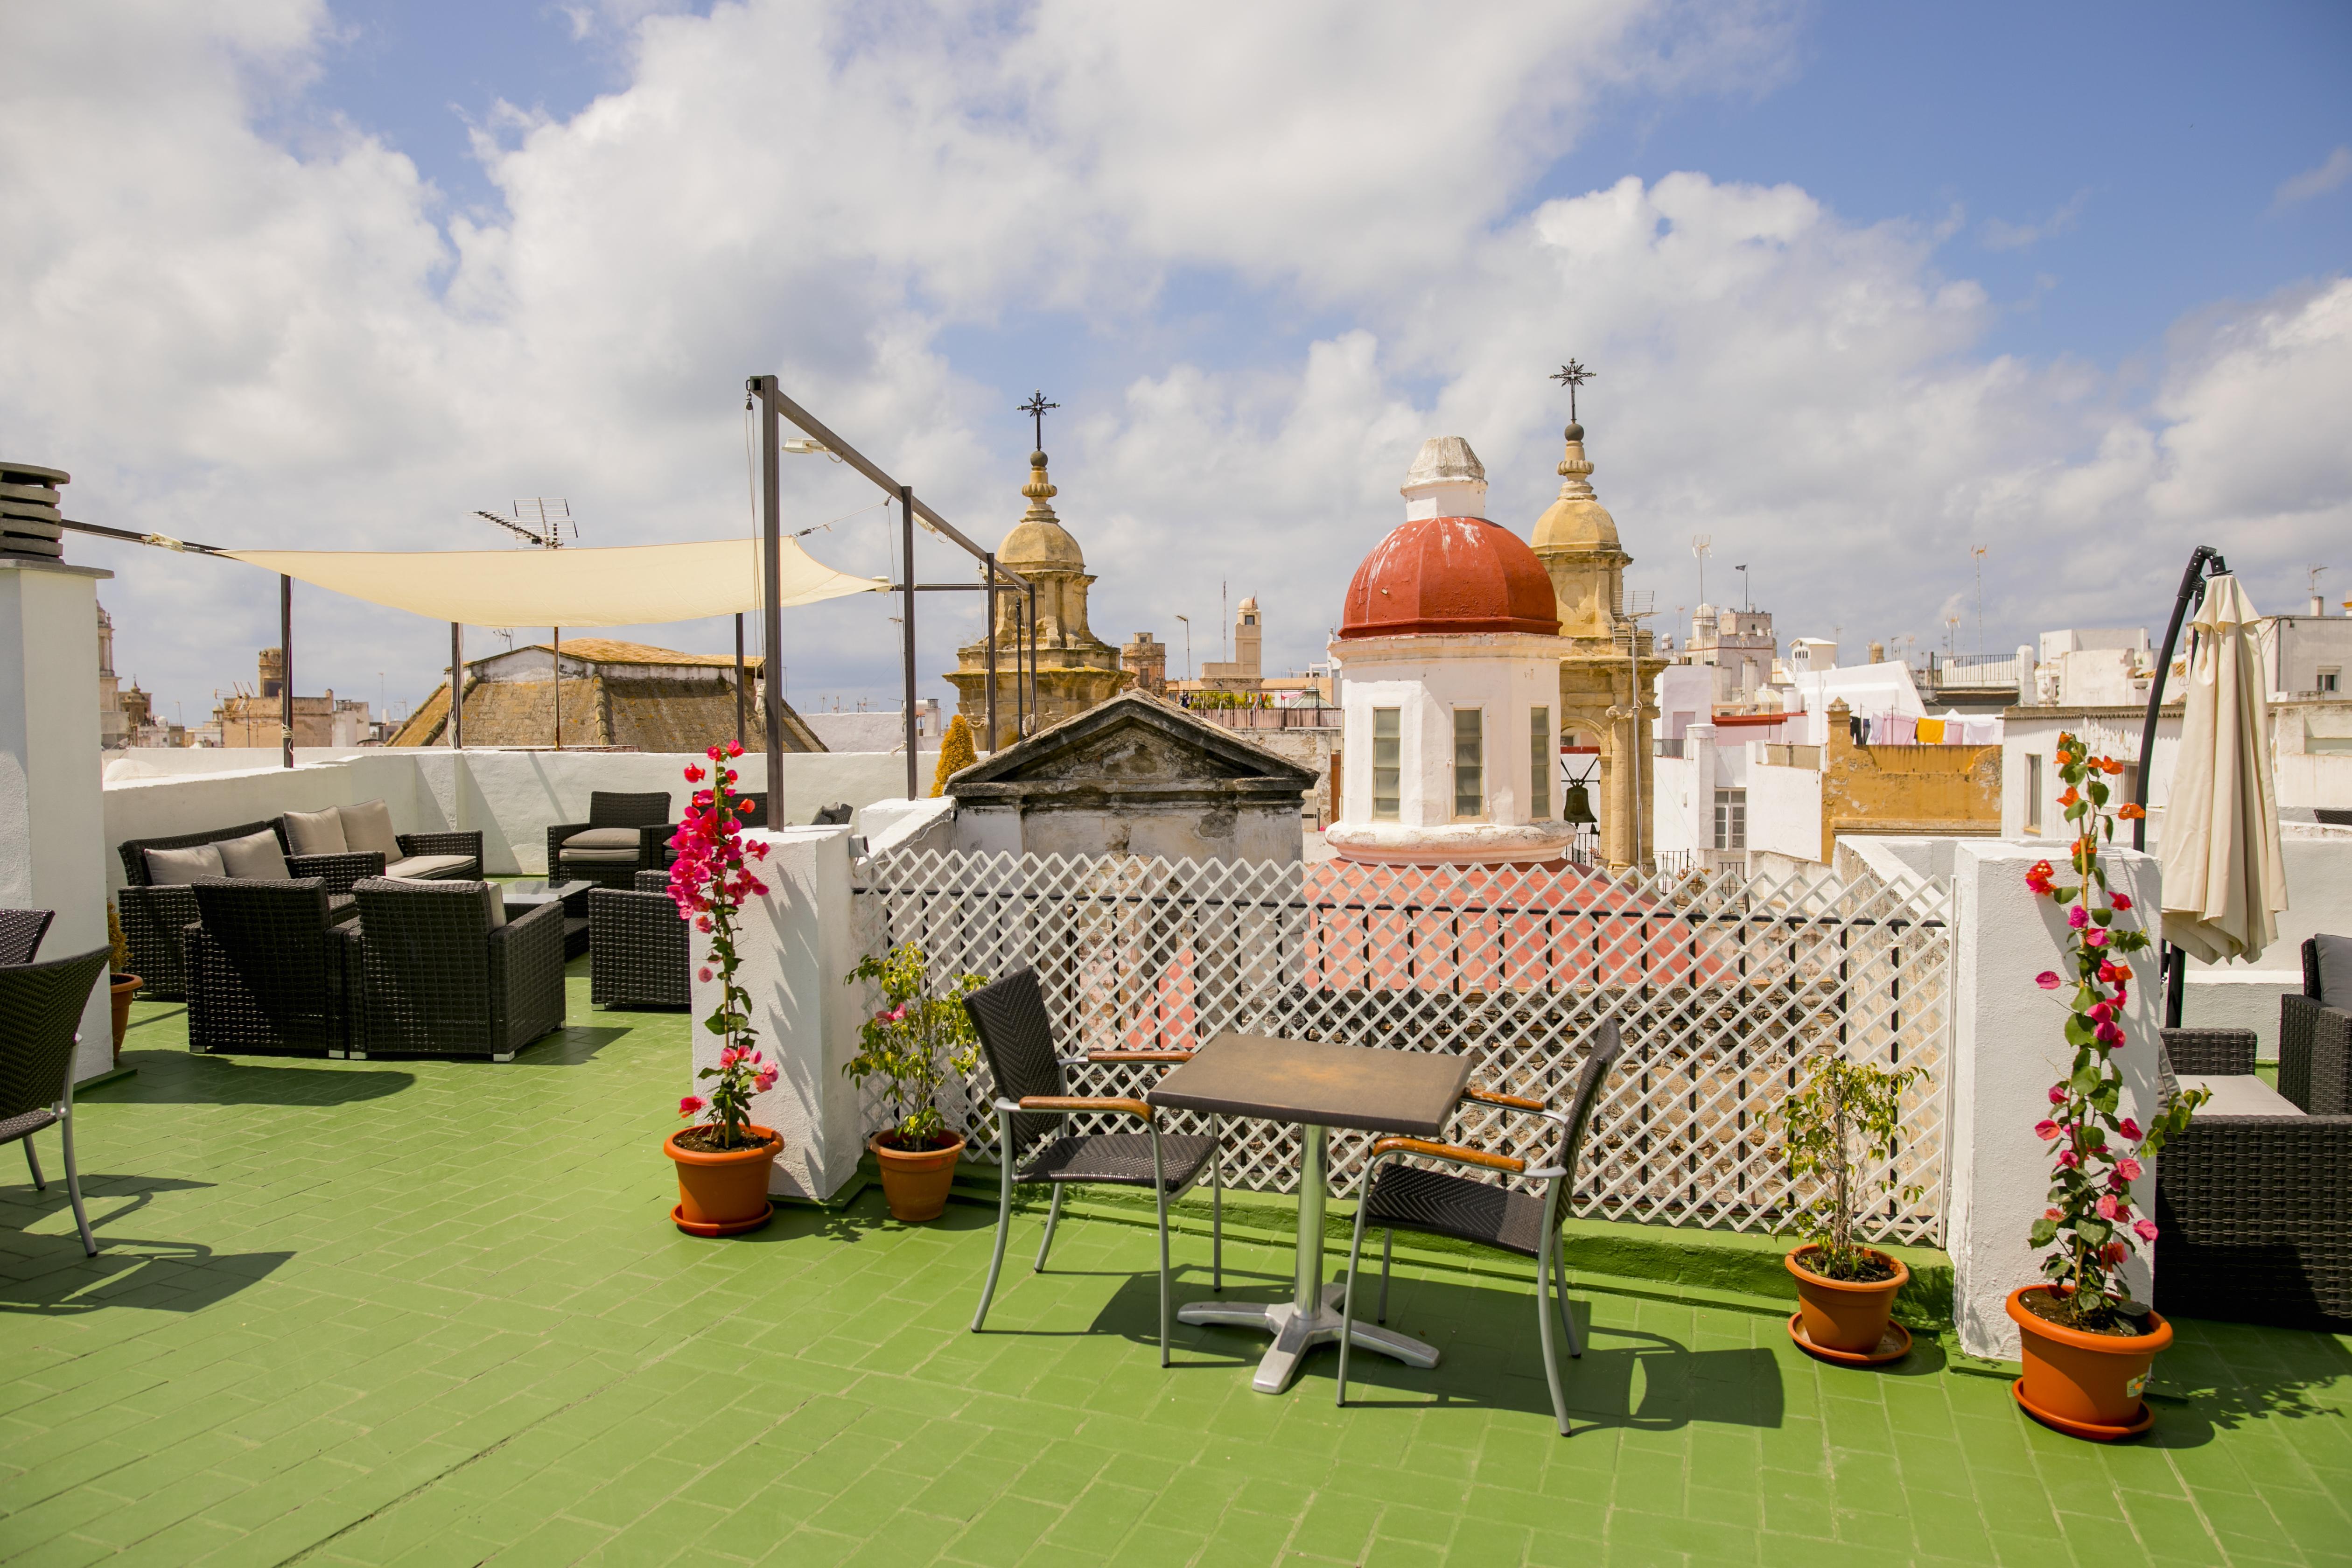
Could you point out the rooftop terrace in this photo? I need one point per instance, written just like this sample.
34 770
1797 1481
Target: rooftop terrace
434 1313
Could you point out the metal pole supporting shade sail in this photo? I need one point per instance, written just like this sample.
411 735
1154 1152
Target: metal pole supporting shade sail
2224 880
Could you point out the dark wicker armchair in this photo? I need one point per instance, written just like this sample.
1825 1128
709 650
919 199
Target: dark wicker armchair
625 834
155 913
638 946
446 975
20 933
2252 1220
40 1009
269 968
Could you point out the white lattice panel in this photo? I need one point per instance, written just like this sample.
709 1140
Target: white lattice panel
1721 984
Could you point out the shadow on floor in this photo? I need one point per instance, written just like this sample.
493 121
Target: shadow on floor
568 1047
178 1078
2234 1374
48 1274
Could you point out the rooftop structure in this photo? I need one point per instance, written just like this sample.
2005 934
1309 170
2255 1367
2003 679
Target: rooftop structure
615 694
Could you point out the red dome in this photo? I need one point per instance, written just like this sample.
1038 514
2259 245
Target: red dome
1450 574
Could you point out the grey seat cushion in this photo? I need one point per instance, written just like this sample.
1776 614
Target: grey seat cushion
255 857
2236 1094
429 868
316 832
367 826
2334 955
177 868
602 847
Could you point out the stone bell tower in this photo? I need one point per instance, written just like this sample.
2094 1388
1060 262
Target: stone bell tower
1606 679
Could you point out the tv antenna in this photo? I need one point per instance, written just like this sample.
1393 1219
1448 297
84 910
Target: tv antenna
543 521
1702 546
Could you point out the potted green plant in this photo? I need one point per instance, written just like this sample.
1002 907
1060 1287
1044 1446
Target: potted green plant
125 984
723 1161
911 1045
2087 1346
1841 1133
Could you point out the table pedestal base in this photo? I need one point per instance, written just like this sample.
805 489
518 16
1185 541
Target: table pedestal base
1297 1332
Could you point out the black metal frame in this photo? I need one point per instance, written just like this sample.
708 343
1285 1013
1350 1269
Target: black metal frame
2204 562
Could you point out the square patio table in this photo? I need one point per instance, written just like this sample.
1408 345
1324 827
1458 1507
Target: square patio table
1319 1086
572 894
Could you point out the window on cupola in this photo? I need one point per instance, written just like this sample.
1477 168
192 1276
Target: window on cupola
1469 764
1387 748
1540 764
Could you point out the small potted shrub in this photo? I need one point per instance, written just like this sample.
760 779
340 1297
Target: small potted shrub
912 1045
1844 1122
125 984
2086 1345
723 1161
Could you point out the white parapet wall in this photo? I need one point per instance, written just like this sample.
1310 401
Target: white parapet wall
798 947
513 797
2008 1048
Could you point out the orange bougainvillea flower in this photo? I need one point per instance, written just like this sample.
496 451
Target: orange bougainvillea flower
2131 812
2070 797
2114 766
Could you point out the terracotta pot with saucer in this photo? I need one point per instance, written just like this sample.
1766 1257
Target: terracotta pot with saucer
724 1192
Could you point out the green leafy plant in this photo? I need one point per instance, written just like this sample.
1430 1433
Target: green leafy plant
1844 1123
914 1043
119 955
2090 1227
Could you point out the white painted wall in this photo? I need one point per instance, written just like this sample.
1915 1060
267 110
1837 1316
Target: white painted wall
512 796
797 947
2009 1046
52 844
1784 812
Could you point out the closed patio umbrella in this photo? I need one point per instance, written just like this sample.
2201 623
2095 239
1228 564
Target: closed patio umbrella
2224 878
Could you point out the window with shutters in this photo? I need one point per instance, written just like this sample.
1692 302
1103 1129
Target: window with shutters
1469 764
1388 757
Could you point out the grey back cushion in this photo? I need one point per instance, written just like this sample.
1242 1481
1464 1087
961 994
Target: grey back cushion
315 832
368 826
256 855
175 867
494 899
2335 954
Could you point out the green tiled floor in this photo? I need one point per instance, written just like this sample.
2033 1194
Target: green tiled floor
435 1313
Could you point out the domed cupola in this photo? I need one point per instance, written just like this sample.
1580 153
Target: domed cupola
1576 540
1446 568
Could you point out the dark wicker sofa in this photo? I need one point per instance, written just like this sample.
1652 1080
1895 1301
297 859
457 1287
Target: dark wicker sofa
638 946
269 967
2254 1220
156 914
446 975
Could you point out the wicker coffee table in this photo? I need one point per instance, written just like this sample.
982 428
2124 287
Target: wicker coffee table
572 895
1319 1086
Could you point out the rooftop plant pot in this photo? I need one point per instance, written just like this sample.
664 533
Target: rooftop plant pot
914 1182
2085 1385
125 987
723 1194
1845 1317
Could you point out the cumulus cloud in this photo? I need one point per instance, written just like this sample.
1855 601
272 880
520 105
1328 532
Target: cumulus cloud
2329 172
233 338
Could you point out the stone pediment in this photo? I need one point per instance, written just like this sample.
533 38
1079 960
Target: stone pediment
1133 743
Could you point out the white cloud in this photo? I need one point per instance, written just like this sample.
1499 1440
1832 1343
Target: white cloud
2331 172
231 341
1996 234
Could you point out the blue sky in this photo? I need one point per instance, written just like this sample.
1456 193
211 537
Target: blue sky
1888 282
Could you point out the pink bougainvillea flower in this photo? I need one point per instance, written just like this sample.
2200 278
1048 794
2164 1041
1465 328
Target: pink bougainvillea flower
2129 1128
2053 1214
2045 1130
2128 1168
693 773
2106 1206
2048 980
2057 1094
2145 1229
2077 917
2068 1158
765 1081
690 1105
2103 1011
2095 937
703 975
2109 1035
2118 901
2114 1252
734 748
711 752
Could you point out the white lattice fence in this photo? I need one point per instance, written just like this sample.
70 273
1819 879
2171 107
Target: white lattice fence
1721 984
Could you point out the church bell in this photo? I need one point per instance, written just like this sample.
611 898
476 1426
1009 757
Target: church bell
1577 809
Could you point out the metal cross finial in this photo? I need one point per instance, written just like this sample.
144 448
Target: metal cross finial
1572 375
1035 408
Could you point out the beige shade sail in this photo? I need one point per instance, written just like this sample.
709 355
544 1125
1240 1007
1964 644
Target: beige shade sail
2224 879
623 585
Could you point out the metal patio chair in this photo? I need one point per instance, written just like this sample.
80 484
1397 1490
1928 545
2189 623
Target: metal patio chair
1033 1103
40 1006
20 933
1434 1203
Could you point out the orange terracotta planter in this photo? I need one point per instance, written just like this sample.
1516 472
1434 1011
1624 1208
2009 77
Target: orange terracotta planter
2087 1386
724 1194
915 1185
1845 1315
124 988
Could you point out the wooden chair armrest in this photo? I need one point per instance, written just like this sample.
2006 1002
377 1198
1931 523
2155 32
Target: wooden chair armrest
1139 1055
1081 1102
1508 1102
1454 1151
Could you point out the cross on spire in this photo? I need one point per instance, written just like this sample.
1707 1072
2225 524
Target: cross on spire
1572 375
1035 408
